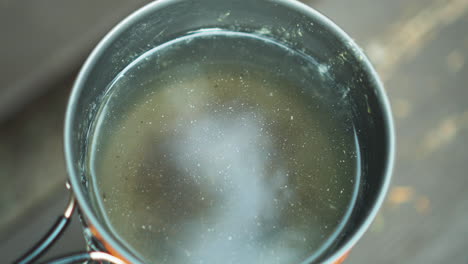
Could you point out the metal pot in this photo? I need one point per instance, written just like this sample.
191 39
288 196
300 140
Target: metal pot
164 20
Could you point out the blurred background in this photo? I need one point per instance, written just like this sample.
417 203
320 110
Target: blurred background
419 48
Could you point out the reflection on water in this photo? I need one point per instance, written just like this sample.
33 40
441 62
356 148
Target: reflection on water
213 162
231 167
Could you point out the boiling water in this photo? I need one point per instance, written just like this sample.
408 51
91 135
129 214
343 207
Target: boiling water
223 147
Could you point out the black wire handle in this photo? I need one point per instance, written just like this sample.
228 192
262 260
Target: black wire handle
54 234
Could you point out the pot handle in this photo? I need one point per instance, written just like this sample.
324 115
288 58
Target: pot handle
54 234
